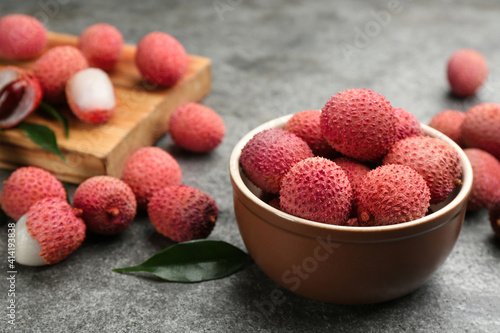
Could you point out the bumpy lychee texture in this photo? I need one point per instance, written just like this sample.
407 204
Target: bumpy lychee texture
449 122
49 232
433 158
407 125
317 189
20 95
268 156
102 45
481 128
306 125
183 213
359 123
392 194
91 95
467 71
148 170
22 37
108 204
161 58
27 185
354 170
486 178
55 67
196 128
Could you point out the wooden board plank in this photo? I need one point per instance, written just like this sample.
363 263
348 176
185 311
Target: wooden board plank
141 118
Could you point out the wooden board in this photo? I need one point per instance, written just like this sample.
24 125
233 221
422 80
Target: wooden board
141 118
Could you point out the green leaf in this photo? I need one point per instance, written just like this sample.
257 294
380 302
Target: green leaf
193 261
3 217
56 114
42 136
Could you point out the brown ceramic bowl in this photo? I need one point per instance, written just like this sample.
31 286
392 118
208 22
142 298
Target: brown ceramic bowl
342 264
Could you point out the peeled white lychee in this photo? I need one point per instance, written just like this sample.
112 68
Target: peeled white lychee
27 249
48 233
91 96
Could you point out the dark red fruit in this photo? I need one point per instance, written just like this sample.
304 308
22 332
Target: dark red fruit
20 95
494 214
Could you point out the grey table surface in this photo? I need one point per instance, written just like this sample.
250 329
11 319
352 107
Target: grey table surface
272 58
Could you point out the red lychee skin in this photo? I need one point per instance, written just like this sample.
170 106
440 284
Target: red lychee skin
467 71
183 213
27 185
481 128
108 204
22 37
56 227
268 155
359 123
29 101
55 67
161 58
317 189
392 194
449 122
102 45
486 178
494 215
354 170
408 124
148 170
433 158
196 128
305 125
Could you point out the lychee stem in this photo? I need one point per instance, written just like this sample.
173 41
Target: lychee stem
113 211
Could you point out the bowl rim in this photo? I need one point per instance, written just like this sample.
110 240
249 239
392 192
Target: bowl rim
294 221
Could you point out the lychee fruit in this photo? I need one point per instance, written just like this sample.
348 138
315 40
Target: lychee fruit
183 213
317 189
359 123
433 158
408 125
91 96
355 170
102 45
22 37
449 122
108 204
494 215
20 95
48 233
161 58
268 156
27 185
55 67
305 124
467 71
486 178
392 194
196 128
148 170
481 128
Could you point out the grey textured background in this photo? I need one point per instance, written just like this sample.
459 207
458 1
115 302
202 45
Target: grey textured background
271 59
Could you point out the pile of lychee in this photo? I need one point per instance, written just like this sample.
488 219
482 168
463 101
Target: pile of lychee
358 161
49 228
76 75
